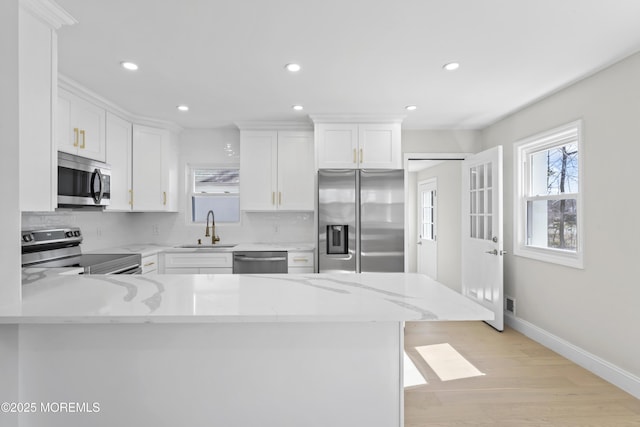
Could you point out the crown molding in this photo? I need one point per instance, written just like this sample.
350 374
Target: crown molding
357 118
275 125
49 12
88 95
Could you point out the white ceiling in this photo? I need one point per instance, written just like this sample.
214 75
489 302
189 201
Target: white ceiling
225 59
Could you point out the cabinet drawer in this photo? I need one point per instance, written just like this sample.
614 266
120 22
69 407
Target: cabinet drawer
300 259
178 260
150 264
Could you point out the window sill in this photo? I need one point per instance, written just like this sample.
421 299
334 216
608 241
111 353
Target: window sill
568 259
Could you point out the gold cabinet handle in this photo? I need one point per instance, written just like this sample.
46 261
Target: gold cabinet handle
273 197
149 264
361 155
84 138
75 137
131 197
164 198
355 159
280 198
300 260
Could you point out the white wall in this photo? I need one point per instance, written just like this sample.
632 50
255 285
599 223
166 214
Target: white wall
595 308
9 152
10 212
441 141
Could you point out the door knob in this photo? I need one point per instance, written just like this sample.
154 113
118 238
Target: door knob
419 243
493 252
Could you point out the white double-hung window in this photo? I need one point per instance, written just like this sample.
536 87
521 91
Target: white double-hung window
217 189
548 214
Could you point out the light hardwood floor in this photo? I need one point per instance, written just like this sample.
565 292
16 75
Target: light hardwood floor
525 384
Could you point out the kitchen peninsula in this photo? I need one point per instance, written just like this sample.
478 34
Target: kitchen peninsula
233 350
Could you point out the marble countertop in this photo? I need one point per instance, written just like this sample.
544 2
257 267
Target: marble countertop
238 298
147 249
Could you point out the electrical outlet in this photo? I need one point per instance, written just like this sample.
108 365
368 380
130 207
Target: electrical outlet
155 230
98 232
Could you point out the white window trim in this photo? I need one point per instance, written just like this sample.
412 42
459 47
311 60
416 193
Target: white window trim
188 175
522 148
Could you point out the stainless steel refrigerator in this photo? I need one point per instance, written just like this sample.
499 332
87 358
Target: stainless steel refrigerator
360 221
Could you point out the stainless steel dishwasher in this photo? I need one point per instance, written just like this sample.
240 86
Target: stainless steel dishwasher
259 262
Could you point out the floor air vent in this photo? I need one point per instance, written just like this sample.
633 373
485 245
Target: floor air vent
510 305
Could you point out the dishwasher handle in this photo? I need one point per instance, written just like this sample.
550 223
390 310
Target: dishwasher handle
252 258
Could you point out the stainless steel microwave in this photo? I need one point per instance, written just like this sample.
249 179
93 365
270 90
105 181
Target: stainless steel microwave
82 182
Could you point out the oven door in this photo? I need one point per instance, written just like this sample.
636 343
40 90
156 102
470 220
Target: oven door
82 182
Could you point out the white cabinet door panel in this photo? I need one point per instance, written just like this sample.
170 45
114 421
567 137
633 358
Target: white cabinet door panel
90 120
296 173
337 146
147 169
258 170
154 170
379 146
119 157
80 127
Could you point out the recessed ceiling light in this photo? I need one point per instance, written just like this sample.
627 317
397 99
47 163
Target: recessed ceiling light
411 107
129 65
451 66
298 107
183 107
294 68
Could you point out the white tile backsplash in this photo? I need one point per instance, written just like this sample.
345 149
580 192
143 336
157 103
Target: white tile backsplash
110 229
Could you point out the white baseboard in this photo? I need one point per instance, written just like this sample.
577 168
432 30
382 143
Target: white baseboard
600 367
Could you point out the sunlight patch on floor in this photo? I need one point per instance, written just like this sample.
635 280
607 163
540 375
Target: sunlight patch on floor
412 377
447 363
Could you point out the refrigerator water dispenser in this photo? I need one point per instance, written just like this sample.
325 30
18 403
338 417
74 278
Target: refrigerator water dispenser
337 239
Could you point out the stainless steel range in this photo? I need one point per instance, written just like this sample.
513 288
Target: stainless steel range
60 247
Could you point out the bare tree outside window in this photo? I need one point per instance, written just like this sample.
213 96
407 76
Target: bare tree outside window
562 177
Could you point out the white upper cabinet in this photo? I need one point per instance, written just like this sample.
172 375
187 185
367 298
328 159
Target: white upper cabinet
379 146
337 146
38 74
258 170
358 145
80 127
154 170
296 174
119 154
37 183
276 170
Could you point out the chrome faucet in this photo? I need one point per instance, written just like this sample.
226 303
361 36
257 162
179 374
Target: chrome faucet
213 236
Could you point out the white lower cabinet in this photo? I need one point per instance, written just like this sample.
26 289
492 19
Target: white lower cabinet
198 263
150 264
300 262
